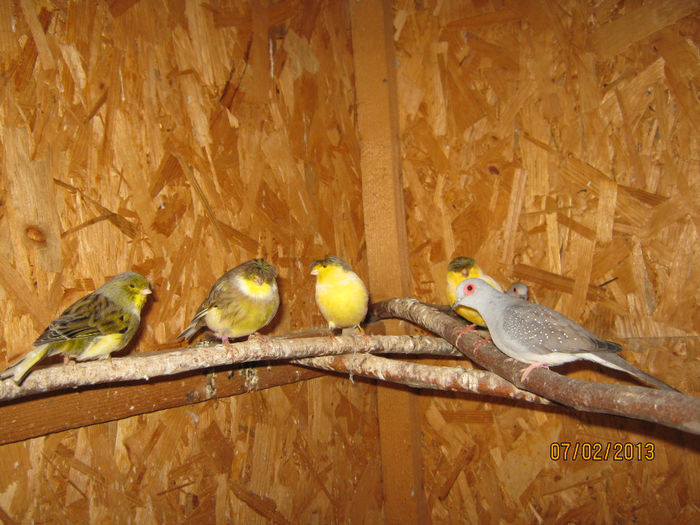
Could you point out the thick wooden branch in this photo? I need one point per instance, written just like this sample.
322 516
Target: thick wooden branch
451 379
667 408
56 411
147 365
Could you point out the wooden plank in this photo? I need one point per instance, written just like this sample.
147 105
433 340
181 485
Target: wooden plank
387 246
56 412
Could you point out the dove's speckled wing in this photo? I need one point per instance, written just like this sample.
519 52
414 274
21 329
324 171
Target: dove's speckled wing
545 331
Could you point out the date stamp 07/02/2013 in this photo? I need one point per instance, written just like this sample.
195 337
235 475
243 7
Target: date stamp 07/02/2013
598 451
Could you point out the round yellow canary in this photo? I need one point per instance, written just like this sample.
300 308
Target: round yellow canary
241 302
341 295
459 269
91 328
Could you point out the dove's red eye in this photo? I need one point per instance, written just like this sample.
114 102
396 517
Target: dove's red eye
469 289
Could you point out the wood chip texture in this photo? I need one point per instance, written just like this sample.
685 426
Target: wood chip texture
179 139
557 143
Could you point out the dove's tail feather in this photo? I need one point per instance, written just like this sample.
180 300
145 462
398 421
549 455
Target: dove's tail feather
20 368
618 363
609 346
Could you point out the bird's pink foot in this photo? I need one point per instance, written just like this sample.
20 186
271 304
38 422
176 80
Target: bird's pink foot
466 329
484 340
363 334
261 338
526 371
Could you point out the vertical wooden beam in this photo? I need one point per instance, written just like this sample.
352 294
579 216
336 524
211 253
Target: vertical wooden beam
387 246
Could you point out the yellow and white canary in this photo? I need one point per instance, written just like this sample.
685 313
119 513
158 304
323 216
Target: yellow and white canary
459 269
341 296
91 328
240 303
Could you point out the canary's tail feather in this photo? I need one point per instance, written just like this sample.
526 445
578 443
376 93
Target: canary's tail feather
189 332
20 368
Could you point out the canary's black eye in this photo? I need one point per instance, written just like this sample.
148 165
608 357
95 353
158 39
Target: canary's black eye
132 286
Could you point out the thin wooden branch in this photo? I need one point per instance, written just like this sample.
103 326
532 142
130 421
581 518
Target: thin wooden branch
451 379
143 366
671 409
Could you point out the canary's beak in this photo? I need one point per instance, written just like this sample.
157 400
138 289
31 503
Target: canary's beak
146 291
314 270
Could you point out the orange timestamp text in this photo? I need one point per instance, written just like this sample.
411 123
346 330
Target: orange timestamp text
598 451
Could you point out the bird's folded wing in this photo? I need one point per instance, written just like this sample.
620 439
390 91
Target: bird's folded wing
543 330
93 315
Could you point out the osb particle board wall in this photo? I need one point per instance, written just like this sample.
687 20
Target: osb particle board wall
558 137
179 140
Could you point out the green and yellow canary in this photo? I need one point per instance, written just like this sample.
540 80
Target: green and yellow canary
240 303
341 295
459 269
91 328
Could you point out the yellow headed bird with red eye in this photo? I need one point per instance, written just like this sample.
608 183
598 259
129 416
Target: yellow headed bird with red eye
459 269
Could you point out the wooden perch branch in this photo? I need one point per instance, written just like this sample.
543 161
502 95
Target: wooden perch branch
143 366
667 408
451 379
671 409
62 410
